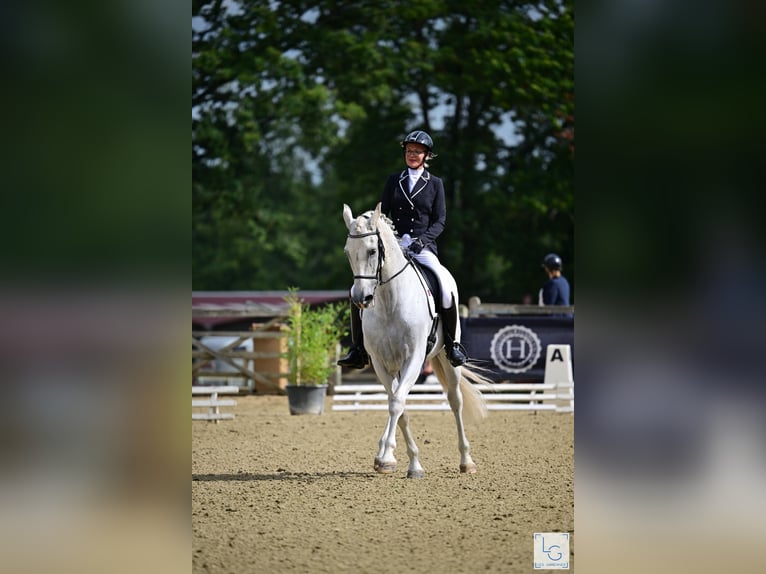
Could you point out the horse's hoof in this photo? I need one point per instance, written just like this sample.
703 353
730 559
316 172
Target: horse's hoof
416 473
386 467
376 464
468 468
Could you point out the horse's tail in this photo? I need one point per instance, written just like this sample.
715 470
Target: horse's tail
474 406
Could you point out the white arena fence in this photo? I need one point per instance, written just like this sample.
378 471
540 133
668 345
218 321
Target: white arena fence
212 404
555 393
431 397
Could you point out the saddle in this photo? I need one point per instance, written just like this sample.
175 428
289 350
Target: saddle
432 287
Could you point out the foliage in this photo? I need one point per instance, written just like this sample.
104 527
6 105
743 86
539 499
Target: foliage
312 335
298 108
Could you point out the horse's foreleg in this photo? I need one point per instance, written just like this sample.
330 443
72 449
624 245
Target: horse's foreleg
385 462
407 378
414 470
397 387
390 462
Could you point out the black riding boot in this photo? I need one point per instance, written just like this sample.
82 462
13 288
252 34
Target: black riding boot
357 357
455 352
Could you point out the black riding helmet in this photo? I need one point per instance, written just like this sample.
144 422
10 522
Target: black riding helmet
422 138
552 262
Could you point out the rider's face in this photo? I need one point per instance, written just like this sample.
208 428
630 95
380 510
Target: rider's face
414 155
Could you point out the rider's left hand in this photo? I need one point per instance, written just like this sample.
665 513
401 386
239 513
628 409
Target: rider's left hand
417 246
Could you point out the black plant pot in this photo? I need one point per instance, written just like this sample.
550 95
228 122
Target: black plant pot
306 400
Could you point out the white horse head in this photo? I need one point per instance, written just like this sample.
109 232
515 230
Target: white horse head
371 245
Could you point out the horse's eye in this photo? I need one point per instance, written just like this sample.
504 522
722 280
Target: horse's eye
371 252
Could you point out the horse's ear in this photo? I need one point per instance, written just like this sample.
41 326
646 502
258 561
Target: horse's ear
347 217
376 216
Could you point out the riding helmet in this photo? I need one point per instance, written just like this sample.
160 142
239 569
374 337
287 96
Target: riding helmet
419 137
552 262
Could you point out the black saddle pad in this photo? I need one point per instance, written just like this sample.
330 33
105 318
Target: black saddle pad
433 284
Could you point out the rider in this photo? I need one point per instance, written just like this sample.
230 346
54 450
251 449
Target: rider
414 199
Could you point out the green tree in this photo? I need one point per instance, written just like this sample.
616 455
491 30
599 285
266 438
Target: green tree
298 108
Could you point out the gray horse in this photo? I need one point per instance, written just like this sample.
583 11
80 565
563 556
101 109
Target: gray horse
398 316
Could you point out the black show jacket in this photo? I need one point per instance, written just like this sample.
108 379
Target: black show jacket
422 212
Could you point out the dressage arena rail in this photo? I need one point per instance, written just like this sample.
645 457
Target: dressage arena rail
558 397
213 403
476 308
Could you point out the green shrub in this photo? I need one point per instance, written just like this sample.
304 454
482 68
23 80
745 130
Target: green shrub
312 335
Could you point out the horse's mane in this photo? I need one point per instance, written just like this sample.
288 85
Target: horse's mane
383 219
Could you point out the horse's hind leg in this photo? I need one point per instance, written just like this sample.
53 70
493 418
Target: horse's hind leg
414 470
451 376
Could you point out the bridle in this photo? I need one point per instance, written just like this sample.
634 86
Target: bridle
378 277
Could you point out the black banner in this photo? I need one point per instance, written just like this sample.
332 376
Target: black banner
513 346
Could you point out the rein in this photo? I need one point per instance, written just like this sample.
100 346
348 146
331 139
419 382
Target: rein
381 257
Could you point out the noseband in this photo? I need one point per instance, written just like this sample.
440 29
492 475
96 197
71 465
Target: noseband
381 258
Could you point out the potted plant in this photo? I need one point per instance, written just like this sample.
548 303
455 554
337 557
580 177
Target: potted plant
312 336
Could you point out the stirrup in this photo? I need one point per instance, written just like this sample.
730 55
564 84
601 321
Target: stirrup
357 358
457 354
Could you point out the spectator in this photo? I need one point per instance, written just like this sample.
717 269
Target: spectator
526 299
555 291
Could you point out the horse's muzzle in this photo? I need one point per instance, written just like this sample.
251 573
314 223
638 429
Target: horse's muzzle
365 303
